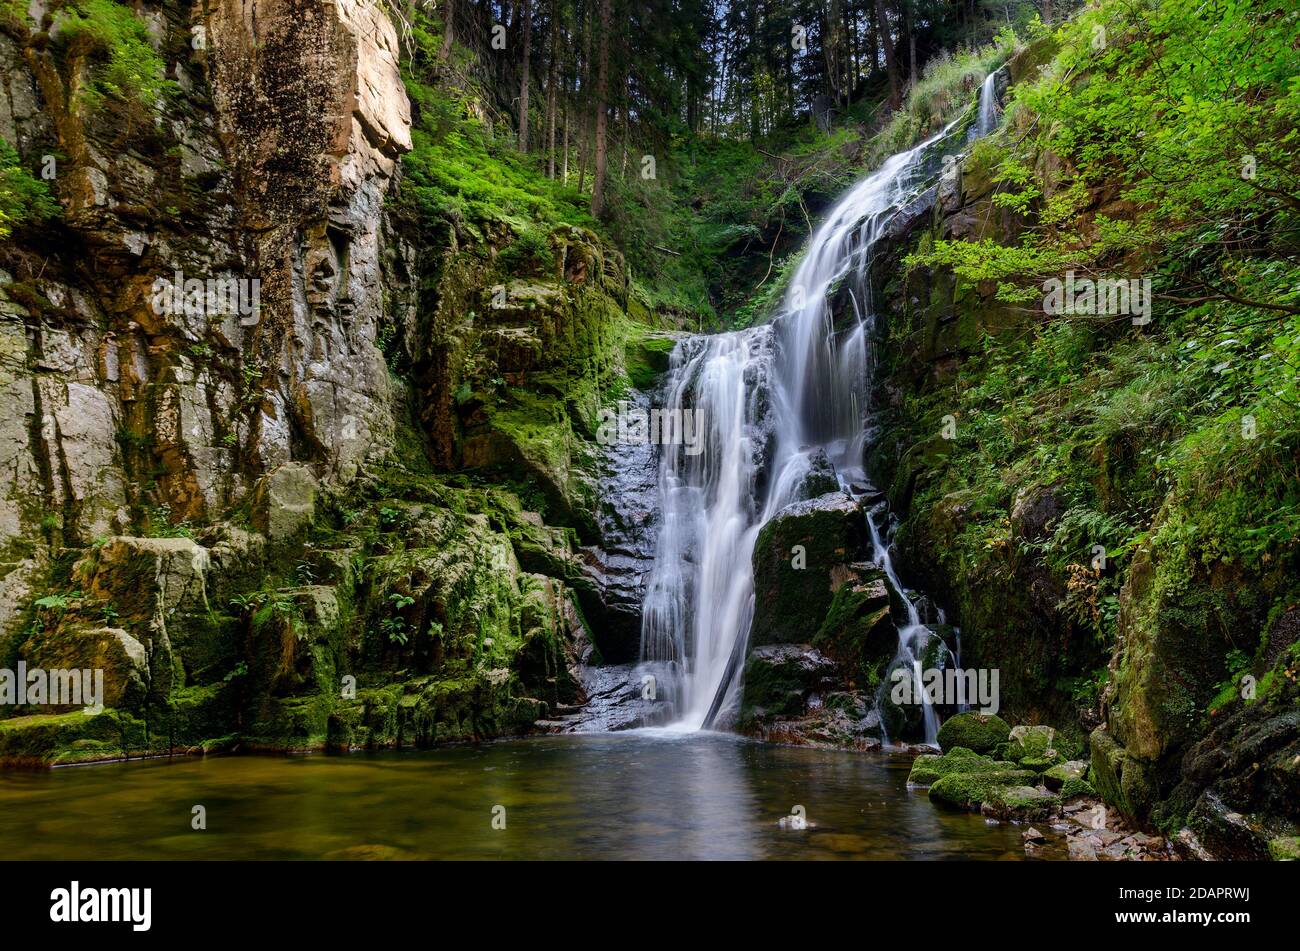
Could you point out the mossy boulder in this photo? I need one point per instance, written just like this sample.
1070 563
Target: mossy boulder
1073 788
928 768
1122 781
1039 764
803 555
1058 775
1033 747
779 677
981 732
1019 803
1285 849
969 790
76 646
858 631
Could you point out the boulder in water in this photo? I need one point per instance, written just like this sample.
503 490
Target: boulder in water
970 790
780 677
928 768
802 557
979 732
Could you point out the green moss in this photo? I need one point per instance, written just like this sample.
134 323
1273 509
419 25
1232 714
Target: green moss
928 768
858 632
53 739
1284 849
1122 781
1076 787
1019 803
647 356
968 790
974 731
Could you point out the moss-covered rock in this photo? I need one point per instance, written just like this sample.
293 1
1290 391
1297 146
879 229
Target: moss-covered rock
1059 774
968 790
779 677
1019 803
1285 849
928 768
1073 788
647 356
76 646
1122 781
803 555
1032 742
858 631
980 732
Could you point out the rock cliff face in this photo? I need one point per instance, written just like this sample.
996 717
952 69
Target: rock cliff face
235 387
270 165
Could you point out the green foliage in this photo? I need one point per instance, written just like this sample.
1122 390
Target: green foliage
52 602
1184 434
161 525
461 168
23 197
948 85
1191 110
129 69
272 605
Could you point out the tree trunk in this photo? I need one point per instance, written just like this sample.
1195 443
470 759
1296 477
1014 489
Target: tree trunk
564 154
523 79
584 103
891 57
448 31
602 120
627 121
552 73
911 40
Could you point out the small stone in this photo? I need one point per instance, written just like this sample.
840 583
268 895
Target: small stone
1081 850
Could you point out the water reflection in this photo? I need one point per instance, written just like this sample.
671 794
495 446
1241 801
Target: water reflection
650 794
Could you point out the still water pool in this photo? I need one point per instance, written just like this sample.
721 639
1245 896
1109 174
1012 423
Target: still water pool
638 795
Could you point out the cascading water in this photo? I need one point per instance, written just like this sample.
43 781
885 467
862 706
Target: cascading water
986 119
770 398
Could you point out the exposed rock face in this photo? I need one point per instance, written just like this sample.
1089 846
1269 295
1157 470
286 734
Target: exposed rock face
311 107
285 187
285 502
326 587
793 695
803 555
627 521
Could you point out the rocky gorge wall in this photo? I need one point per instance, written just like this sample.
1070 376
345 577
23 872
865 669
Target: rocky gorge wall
298 525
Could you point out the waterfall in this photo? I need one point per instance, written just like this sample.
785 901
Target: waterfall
986 119
771 397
